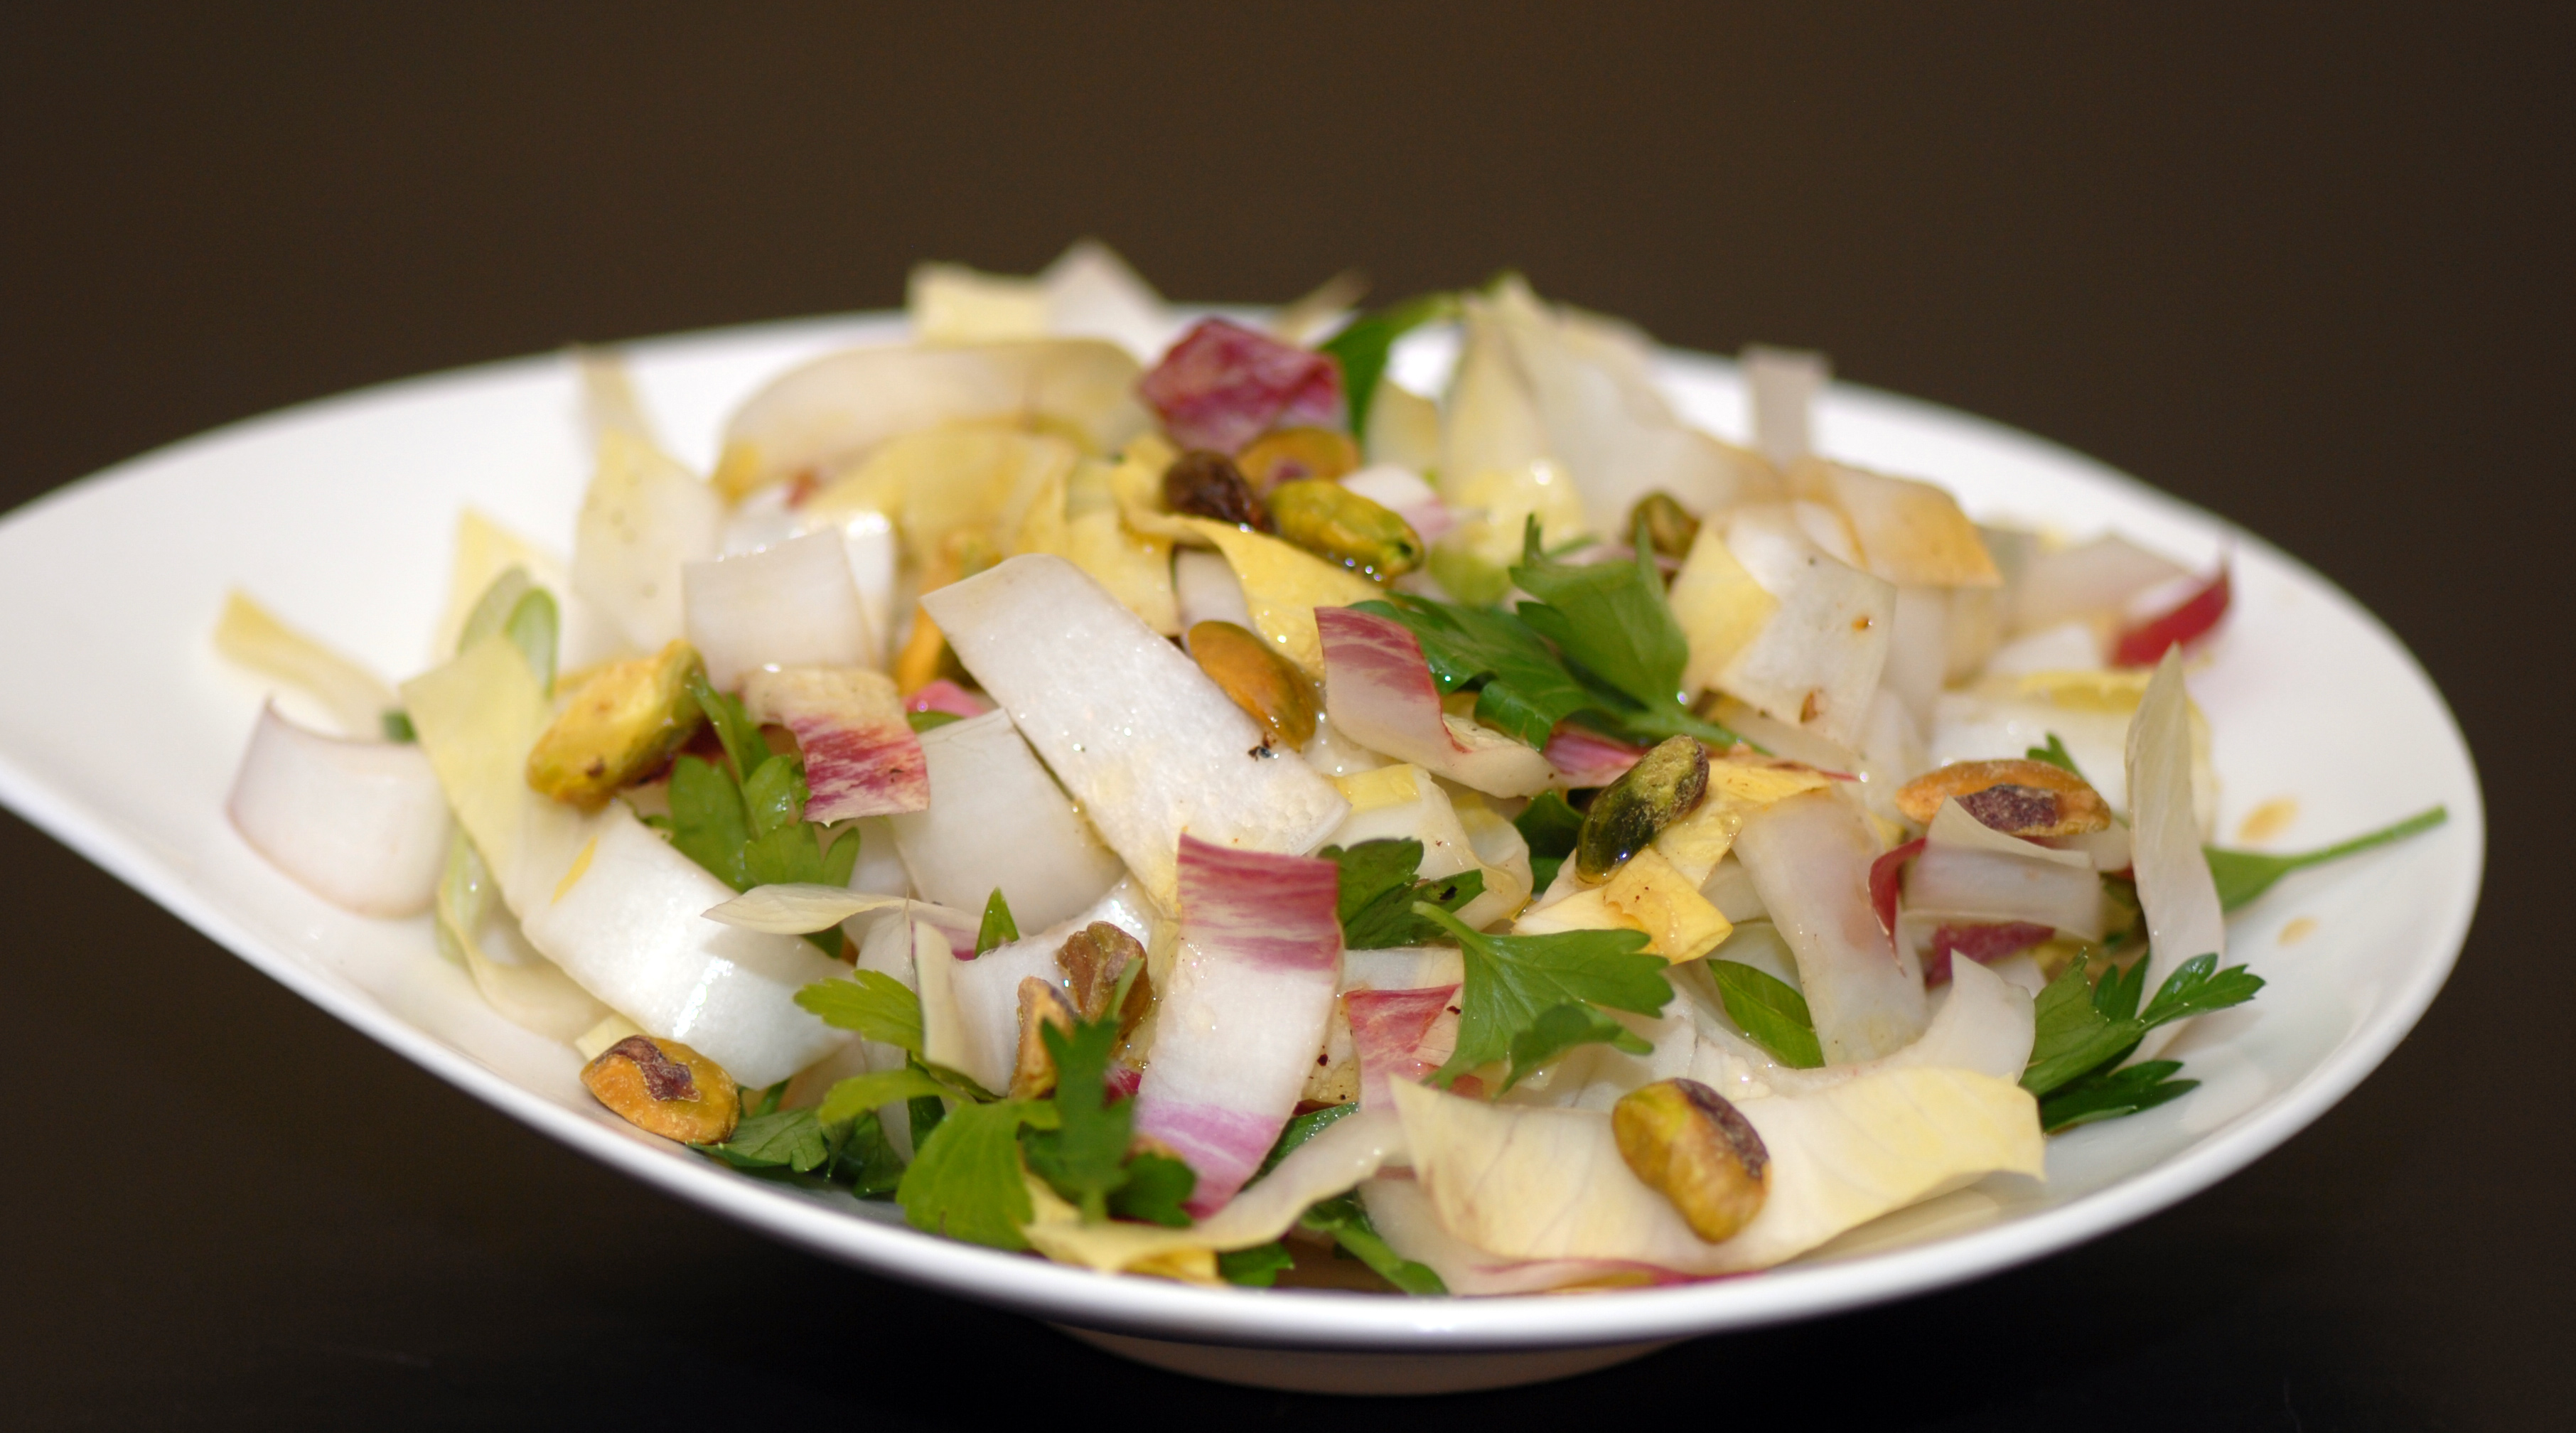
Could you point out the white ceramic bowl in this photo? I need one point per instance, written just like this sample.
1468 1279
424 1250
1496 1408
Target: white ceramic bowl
338 514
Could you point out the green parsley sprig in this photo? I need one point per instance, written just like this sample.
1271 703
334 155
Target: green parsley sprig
1599 645
1379 888
743 819
1515 986
2085 1028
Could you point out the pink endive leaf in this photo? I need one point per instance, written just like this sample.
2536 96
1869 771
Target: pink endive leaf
1238 1030
1587 758
1887 879
1984 944
861 757
1379 692
944 695
1399 1035
1224 385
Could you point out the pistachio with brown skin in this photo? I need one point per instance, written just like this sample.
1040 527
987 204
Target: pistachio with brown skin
1033 1068
1670 528
1260 681
1286 454
663 1087
1332 521
1200 483
1093 960
2017 797
1683 1140
1665 785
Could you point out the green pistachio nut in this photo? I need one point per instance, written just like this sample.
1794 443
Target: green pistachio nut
1331 520
1669 526
1665 785
619 727
1683 1140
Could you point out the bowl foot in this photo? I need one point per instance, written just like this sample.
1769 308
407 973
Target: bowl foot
1325 1371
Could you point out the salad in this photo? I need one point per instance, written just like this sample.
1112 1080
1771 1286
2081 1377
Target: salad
1164 794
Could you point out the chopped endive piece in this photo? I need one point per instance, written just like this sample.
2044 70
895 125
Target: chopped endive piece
359 823
1816 661
798 908
1137 569
1136 732
1781 385
1379 691
253 636
2175 888
1910 533
1403 803
794 604
831 413
1088 292
999 822
983 993
528 989
1718 605
627 924
1244 1009
1736 790
1666 904
643 516
972 477
477 717
1810 858
1534 1183
485 551
861 757
1588 384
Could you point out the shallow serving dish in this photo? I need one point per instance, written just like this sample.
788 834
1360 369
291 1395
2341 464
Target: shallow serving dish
338 514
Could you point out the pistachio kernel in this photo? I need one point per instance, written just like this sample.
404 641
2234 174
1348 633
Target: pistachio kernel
2017 797
1092 960
1204 484
1259 680
1287 454
619 727
1670 528
663 1087
1665 785
1332 521
1033 1069
1683 1140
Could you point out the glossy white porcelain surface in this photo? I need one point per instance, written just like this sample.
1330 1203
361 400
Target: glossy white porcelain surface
120 729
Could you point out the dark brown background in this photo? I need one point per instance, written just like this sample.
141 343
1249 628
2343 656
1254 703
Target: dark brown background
2307 269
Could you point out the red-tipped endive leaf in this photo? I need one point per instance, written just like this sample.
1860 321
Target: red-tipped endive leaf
1379 692
1399 1035
1810 858
1587 758
1251 992
2182 624
861 757
1224 385
1984 944
1887 878
944 695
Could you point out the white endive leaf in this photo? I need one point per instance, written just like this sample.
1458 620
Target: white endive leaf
2175 889
1534 1183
